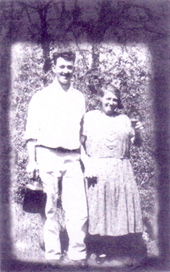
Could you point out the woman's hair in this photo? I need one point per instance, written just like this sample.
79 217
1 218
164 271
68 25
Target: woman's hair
68 55
111 88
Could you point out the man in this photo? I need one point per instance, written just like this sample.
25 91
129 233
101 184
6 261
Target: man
53 142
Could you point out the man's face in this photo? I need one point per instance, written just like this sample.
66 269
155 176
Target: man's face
64 70
109 103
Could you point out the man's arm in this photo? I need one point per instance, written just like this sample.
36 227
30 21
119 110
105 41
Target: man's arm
31 134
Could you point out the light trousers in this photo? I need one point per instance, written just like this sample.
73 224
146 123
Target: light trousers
55 166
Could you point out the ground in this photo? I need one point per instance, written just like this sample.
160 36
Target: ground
28 253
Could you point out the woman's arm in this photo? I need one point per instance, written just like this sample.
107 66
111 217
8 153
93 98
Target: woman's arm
136 139
88 162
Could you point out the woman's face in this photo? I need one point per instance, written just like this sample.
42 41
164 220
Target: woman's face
109 103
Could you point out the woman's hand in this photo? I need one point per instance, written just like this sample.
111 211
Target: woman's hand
139 126
89 173
90 168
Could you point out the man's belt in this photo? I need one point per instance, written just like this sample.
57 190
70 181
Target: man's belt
61 149
64 150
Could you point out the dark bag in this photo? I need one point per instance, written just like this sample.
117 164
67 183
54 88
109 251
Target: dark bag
34 198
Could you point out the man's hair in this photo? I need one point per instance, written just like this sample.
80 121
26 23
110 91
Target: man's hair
68 55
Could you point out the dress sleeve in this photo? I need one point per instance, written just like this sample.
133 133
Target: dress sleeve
129 129
33 121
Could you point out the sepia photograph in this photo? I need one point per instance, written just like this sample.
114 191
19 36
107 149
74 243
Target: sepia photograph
84 145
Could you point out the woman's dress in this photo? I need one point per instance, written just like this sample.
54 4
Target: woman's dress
113 202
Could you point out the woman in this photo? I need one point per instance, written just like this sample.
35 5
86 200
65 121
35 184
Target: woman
113 198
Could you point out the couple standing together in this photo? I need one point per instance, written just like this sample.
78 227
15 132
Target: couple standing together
54 141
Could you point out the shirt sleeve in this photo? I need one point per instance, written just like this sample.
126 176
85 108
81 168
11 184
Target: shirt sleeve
83 110
85 125
33 120
83 105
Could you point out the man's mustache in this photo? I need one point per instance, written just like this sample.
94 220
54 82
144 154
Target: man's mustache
67 74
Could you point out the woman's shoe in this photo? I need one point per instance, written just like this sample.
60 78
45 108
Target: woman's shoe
100 259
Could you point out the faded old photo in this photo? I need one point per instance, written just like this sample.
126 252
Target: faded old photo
85 135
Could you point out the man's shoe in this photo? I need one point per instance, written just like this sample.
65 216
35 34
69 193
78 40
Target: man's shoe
42 245
54 263
75 263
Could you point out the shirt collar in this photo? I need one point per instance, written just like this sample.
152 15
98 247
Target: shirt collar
57 87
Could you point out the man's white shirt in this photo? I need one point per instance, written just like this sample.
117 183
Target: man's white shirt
54 117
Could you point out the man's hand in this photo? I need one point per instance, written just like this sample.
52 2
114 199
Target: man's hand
32 170
32 167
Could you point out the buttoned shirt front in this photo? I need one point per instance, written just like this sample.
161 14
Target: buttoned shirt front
54 117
